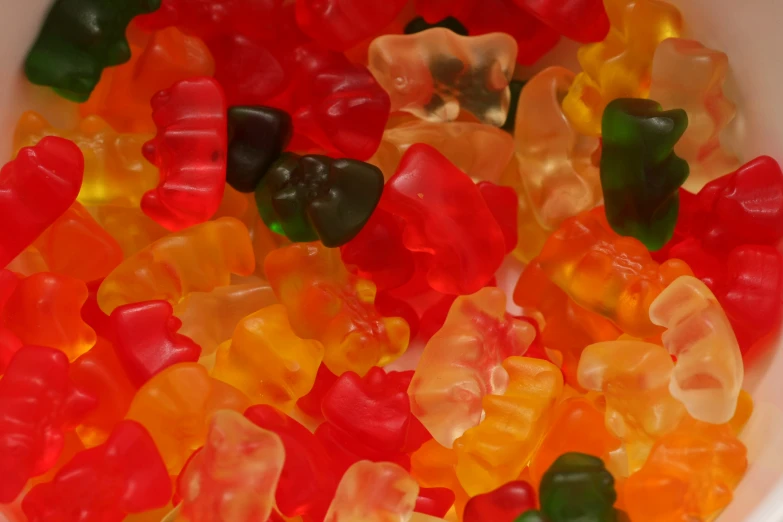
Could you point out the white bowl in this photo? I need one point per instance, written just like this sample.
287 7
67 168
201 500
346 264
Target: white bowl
748 31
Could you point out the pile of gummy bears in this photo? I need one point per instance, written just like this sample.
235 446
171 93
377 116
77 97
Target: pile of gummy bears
263 204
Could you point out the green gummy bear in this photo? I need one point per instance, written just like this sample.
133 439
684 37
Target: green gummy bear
313 197
640 173
80 38
577 488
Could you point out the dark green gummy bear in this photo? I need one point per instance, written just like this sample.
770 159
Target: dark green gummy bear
316 197
640 173
80 38
576 488
256 138
419 24
515 86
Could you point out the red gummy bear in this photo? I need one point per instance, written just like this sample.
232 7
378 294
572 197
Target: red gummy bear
446 217
38 403
582 20
35 189
190 151
370 418
124 475
503 504
146 339
341 24
308 481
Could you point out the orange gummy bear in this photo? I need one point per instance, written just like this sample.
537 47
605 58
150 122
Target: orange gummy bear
327 303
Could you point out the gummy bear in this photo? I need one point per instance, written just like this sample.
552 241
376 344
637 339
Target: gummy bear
36 188
690 473
78 39
233 478
146 339
498 449
315 197
555 161
158 60
124 475
436 73
197 259
267 361
373 492
607 274
707 377
38 404
634 377
190 150
640 173
446 217
175 406
325 302
461 364
257 136
686 75
367 418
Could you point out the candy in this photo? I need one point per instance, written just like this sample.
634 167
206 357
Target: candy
267 361
80 38
462 363
38 403
435 74
257 136
190 150
640 174
235 475
328 304
175 407
35 189
314 197
124 475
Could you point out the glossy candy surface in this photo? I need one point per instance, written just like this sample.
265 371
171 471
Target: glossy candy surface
314 197
190 151
124 475
436 74
38 404
80 38
259 272
35 189
640 173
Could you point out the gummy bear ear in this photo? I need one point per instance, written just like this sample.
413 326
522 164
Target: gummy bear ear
30 123
342 211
